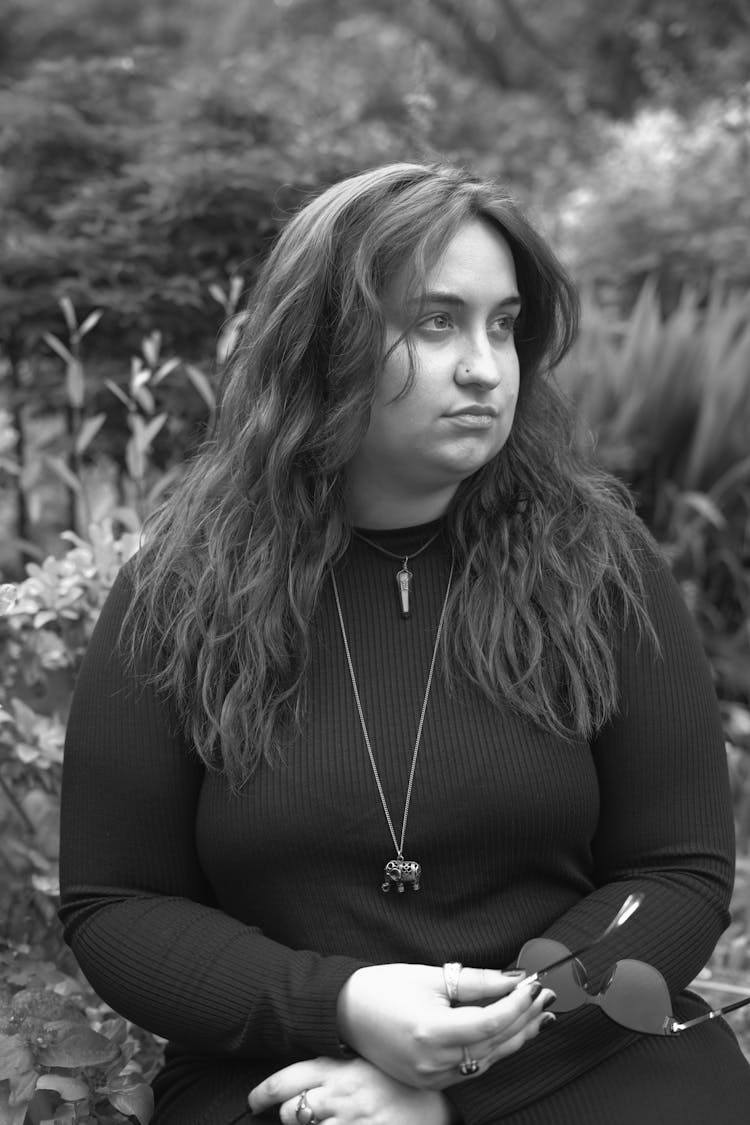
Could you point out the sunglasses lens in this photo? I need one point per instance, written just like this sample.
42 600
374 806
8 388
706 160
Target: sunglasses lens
539 953
637 997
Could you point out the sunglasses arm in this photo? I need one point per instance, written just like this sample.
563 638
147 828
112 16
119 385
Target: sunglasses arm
672 1027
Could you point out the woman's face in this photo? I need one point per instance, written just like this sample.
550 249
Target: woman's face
458 412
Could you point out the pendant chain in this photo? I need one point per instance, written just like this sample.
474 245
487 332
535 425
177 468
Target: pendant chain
399 846
394 554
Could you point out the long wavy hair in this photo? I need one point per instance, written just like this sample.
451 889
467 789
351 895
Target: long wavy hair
546 545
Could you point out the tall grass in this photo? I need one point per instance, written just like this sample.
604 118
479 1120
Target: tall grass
666 403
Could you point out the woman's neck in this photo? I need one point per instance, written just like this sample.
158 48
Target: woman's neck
389 512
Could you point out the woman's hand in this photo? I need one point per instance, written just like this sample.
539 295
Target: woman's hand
348 1092
400 1018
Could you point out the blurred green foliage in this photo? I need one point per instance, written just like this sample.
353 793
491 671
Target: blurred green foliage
148 150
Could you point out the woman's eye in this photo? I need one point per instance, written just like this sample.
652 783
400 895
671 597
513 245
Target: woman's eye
505 326
437 322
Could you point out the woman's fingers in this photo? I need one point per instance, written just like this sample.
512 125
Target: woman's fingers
489 1052
484 1034
473 985
288 1083
304 1107
499 1020
346 1092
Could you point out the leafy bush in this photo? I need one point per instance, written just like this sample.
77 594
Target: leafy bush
64 1056
666 197
45 624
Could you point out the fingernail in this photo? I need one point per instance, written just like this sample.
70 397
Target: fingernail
534 990
549 1001
516 973
547 1020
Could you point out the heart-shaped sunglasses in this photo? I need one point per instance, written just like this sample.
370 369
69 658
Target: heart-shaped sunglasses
632 993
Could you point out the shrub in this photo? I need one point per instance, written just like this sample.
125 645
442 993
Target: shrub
667 197
64 1056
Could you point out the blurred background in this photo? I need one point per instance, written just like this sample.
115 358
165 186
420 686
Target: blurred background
148 153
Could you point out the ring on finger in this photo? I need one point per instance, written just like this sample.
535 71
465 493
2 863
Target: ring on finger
303 1113
469 1065
451 973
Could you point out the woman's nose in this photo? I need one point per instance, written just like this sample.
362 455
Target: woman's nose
479 365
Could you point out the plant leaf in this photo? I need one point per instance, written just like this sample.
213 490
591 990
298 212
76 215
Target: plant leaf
17 1068
69 313
119 393
75 384
65 474
165 369
218 294
59 347
229 336
236 283
135 1102
705 507
145 399
151 346
150 431
201 384
90 322
69 1089
82 1047
88 432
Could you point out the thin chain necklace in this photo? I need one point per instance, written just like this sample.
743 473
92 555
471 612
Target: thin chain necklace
399 871
404 575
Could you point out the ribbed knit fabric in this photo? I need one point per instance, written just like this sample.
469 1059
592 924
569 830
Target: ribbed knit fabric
228 923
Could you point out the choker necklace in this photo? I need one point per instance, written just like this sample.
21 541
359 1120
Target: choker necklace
399 871
404 575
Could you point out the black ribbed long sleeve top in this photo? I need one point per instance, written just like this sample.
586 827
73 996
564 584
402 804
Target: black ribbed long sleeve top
229 922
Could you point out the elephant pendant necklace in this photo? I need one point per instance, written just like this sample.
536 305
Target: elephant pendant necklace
398 872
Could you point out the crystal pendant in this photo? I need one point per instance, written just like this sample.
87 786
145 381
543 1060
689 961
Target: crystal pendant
403 582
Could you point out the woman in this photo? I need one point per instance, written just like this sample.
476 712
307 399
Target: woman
398 683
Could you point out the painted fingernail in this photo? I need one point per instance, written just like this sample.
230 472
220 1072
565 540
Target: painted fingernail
535 990
547 1020
549 1001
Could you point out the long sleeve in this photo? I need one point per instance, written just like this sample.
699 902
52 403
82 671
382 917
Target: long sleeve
139 912
664 828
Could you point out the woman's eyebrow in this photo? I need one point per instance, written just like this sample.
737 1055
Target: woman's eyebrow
438 297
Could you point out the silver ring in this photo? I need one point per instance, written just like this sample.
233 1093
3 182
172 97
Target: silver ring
451 973
469 1065
303 1113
